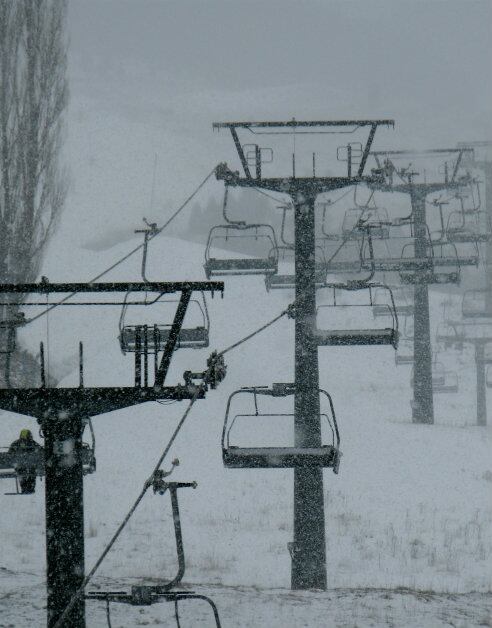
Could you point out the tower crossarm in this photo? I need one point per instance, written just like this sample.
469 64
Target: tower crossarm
291 184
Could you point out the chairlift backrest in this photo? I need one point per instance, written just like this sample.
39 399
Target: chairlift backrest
152 336
477 304
468 227
366 335
232 236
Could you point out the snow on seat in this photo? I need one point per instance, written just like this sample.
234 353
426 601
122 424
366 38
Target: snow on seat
236 266
280 457
340 337
251 236
353 302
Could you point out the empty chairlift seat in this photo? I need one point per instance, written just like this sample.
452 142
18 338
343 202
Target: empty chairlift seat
468 227
488 377
404 354
438 375
268 457
440 264
351 303
450 384
403 302
258 240
477 304
152 337
450 336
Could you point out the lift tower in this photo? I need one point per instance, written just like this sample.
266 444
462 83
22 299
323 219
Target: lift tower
479 336
308 550
405 181
481 158
61 413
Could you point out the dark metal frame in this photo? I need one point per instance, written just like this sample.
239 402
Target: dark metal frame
308 548
145 595
235 457
422 406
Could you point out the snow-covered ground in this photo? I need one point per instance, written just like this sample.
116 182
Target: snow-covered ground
410 510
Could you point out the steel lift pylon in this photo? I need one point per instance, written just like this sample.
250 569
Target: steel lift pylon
404 181
308 550
456 333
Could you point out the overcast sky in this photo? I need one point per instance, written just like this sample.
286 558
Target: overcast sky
148 77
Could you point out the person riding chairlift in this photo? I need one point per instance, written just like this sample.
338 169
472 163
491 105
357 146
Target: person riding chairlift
27 475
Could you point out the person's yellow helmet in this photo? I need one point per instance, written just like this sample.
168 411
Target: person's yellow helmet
25 434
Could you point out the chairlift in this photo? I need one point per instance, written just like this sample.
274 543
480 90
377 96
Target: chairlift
403 306
353 337
440 265
221 236
288 282
438 375
237 233
12 462
153 337
488 377
450 384
449 336
144 338
8 329
468 227
404 355
474 195
477 304
235 457
146 595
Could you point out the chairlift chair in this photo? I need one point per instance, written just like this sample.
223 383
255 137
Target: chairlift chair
12 462
468 227
277 281
477 304
352 337
404 355
146 595
438 375
488 377
449 336
235 457
403 306
450 384
152 337
240 233
8 330
440 266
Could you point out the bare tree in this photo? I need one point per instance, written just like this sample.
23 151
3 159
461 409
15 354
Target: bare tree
33 96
